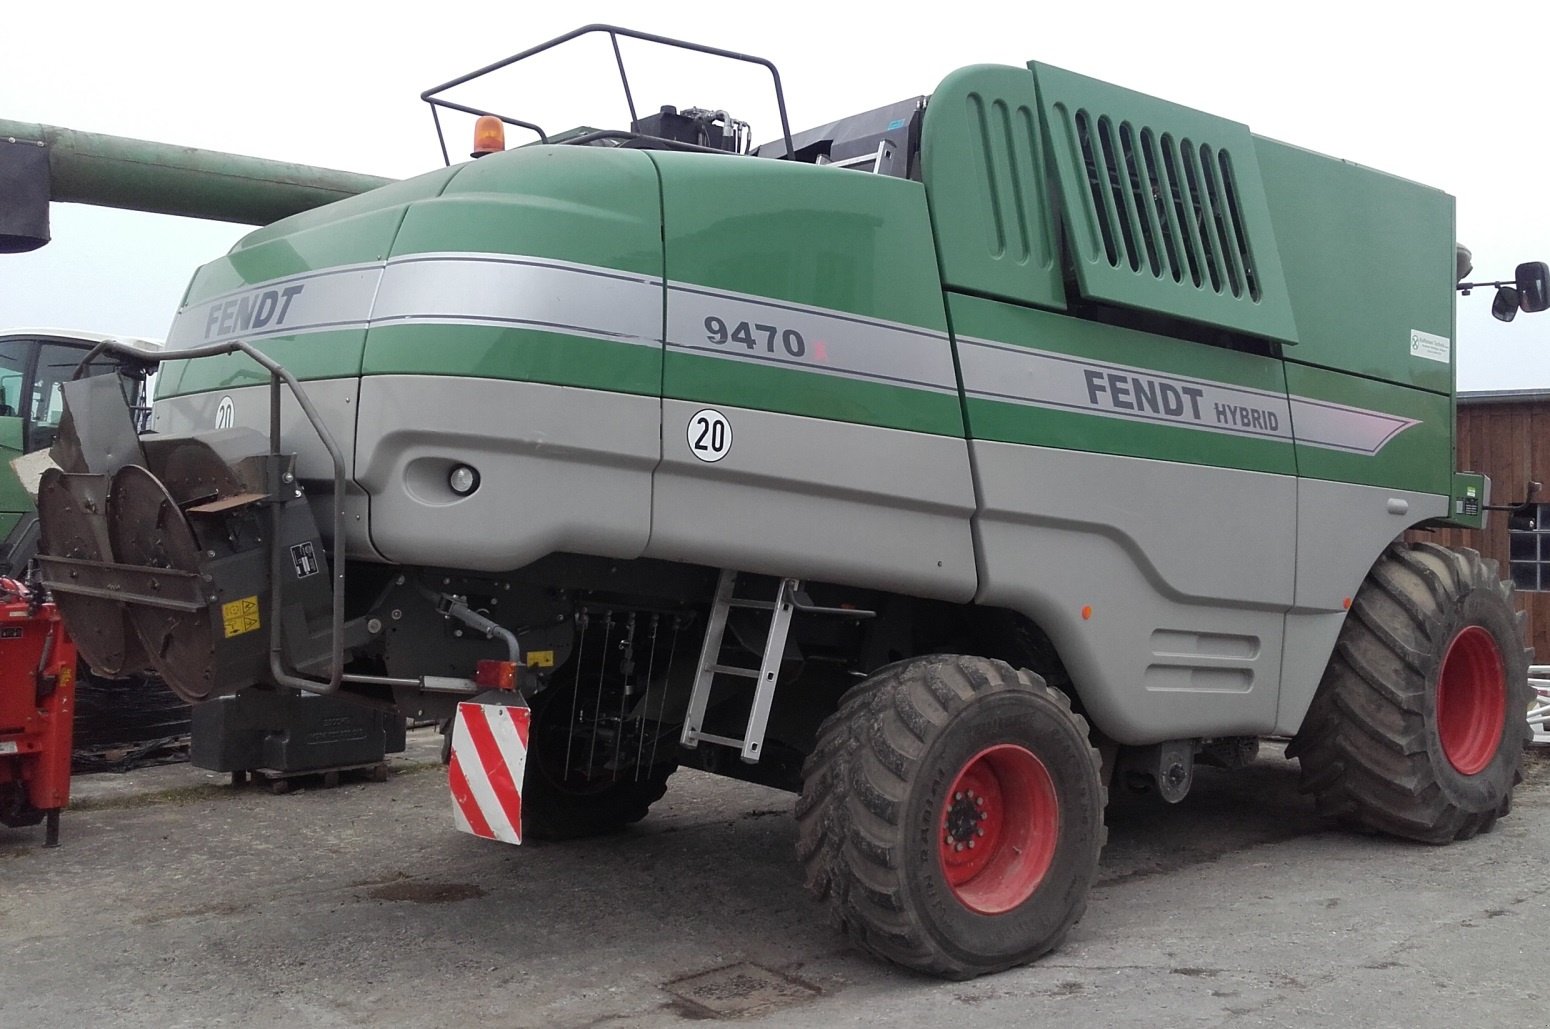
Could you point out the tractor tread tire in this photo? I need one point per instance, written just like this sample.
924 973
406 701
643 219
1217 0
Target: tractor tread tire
555 810
860 782
549 814
1369 748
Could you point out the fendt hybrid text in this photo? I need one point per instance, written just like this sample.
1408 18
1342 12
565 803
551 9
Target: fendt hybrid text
949 465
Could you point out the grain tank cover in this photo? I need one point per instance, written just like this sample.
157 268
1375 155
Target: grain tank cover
1163 207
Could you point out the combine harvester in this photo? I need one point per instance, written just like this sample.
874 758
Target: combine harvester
946 464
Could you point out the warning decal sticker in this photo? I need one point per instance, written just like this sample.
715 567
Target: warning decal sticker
240 616
304 559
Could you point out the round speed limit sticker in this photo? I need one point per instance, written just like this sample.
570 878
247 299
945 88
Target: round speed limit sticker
710 435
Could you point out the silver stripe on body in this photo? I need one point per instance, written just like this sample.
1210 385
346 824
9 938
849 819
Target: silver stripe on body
320 301
827 342
520 292
512 291
1059 382
435 289
1040 378
564 297
1355 430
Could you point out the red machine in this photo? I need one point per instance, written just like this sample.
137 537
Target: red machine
37 708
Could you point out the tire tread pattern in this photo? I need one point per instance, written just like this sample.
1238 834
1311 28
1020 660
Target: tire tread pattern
857 781
1367 747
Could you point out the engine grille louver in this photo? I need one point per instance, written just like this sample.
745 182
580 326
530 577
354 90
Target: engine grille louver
1163 206
1168 206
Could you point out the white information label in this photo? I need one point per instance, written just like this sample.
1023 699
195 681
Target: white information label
710 435
7 746
1433 348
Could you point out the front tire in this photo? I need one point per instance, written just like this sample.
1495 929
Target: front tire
952 815
1419 724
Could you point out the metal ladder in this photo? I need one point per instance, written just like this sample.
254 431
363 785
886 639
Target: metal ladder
883 152
781 610
789 599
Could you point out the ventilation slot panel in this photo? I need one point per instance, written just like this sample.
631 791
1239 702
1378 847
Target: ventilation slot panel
1164 207
1140 200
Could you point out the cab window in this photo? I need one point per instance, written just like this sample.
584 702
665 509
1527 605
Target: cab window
56 366
13 370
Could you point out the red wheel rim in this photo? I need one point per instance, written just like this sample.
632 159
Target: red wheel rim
1471 700
997 831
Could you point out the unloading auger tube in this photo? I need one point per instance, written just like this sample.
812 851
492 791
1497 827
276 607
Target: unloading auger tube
277 374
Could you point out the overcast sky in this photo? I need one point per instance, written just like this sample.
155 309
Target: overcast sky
1445 95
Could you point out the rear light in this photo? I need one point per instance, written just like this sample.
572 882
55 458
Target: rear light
497 675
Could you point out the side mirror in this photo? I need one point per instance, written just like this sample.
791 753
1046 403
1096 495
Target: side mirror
1533 287
1505 307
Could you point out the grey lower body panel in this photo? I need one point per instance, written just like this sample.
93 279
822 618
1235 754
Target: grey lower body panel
1342 528
1164 586
248 406
817 499
560 469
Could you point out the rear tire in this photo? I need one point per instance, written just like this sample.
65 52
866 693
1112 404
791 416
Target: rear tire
560 804
554 810
1419 724
952 815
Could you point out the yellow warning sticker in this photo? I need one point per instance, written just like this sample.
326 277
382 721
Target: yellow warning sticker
240 616
540 659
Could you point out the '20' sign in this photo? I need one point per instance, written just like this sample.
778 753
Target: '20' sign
710 435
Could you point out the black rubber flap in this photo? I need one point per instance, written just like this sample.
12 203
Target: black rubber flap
24 194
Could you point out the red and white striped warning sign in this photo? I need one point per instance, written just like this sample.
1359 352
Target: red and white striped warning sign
489 751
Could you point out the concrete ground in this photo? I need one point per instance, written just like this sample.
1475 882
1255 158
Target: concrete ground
179 900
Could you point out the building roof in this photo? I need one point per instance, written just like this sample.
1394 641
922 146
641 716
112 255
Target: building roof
1503 396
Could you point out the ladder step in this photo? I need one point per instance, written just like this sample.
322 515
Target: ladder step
747 673
757 605
725 741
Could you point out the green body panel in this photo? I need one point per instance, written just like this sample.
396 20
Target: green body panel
982 160
804 235
591 206
1345 263
1368 259
800 393
393 197
490 352
1037 426
1210 255
810 235
317 355
14 501
1418 458
352 232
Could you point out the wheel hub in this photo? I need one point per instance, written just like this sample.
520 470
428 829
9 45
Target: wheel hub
964 816
1471 700
999 825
